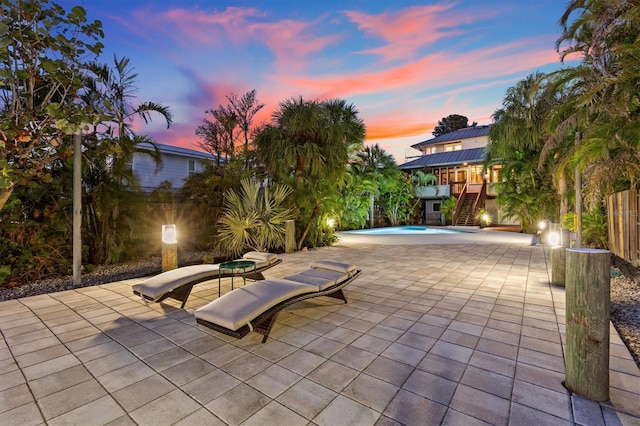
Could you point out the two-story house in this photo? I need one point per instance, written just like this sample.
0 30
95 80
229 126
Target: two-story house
177 164
456 159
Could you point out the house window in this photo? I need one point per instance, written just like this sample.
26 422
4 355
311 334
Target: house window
192 167
429 150
496 172
476 174
436 207
453 147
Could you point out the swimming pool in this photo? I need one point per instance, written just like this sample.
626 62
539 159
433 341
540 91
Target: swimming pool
404 230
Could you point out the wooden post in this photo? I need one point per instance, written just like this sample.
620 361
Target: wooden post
169 247
558 259
558 265
169 256
290 236
77 211
587 322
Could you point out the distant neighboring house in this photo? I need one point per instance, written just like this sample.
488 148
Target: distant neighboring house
456 159
177 164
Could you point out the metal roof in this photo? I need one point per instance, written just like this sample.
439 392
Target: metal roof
186 152
473 155
456 135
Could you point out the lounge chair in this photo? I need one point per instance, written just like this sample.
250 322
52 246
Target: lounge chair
178 283
255 307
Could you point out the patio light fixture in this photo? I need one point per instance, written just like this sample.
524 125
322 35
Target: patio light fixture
169 234
554 239
169 247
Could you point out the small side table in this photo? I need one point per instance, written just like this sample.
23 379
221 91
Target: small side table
244 265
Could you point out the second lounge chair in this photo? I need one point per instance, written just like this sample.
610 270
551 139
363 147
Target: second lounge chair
178 283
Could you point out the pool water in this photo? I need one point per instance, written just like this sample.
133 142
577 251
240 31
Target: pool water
404 230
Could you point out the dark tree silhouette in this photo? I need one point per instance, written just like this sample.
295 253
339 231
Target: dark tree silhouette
451 123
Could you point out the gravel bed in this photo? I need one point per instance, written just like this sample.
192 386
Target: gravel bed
625 290
101 275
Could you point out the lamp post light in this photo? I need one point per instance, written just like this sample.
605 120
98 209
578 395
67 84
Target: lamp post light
169 247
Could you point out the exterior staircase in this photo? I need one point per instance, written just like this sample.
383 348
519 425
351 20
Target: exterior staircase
466 217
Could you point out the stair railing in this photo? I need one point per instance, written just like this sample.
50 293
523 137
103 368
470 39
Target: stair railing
480 199
459 204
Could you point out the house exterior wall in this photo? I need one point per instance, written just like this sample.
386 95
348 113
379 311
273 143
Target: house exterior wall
478 142
177 165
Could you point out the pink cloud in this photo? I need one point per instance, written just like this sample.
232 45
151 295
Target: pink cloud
408 30
290 41
430 72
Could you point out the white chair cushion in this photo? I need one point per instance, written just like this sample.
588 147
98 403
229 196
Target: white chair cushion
269 258
157 286
320 282
236 308
332 276
333 266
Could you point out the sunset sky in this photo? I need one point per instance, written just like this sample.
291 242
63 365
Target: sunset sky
403 64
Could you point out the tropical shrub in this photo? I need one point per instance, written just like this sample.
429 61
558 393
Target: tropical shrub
254 218
594 227
447 208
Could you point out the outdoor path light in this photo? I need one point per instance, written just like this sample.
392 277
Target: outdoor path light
169 247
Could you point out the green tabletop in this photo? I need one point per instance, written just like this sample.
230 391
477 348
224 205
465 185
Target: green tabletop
232 266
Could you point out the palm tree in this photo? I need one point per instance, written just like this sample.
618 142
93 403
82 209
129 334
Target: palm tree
604 100
307 146
109 183
378 167
517 138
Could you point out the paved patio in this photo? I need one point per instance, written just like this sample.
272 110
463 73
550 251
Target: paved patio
462 334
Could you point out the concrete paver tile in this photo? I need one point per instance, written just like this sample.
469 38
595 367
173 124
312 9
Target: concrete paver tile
11 379
488 381
58 381
456 418
15 397
168 358
342 335
187 371
524 415
274 350
494 363
333 375
324 347
166 410
275 414
343 410
51 366
238 404
430 386
476 403
307 398
404 353
114 361
542 399
123 377
223 355
370 391
210 386
301 362
23 415
410 409
141 392
246 366
201 416
70 398
274 380
353 357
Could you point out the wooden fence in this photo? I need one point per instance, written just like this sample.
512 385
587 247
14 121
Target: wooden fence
624 225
